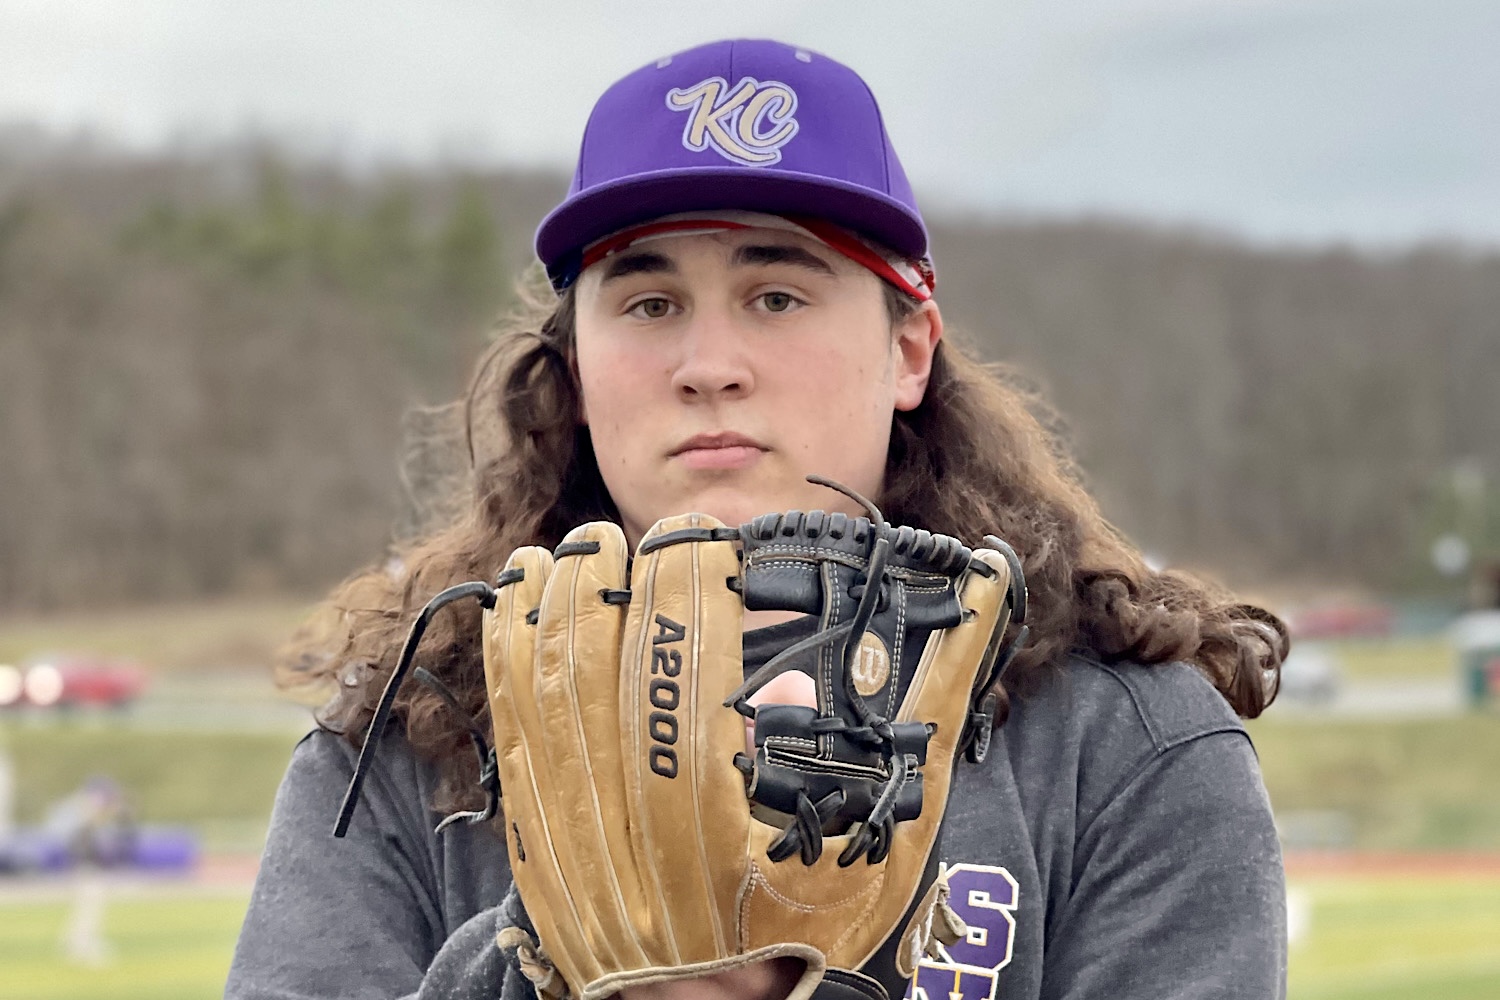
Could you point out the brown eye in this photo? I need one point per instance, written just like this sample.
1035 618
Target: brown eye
652 308
777 301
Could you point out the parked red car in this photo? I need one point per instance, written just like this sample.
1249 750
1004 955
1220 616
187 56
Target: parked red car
1342 620
74 679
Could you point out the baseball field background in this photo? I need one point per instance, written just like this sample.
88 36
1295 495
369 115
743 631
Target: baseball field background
1394 871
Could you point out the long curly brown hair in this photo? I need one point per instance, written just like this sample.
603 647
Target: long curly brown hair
978 455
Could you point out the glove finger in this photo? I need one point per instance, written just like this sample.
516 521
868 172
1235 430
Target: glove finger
871 900
509 657
578 651
942 687
681 659
940 693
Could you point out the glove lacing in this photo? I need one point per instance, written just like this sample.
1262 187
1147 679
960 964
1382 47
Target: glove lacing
804 834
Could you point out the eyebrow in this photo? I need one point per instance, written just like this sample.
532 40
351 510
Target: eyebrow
638 262
754 254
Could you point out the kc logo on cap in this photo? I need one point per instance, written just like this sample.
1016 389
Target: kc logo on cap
747 124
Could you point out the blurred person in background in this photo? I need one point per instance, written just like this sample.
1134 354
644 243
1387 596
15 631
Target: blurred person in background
98 827
735 302
96 822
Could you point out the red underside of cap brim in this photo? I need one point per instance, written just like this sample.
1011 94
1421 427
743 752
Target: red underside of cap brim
608 207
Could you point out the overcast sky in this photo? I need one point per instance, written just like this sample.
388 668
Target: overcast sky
1376 121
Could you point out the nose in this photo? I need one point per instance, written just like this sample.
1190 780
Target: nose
715 361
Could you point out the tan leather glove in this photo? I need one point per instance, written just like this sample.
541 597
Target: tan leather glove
645 843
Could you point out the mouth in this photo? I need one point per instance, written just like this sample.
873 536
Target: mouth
726 450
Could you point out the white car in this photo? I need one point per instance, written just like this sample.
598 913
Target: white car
1310 674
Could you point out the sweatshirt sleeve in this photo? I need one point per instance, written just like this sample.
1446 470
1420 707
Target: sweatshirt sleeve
470 965
366 916
1178 888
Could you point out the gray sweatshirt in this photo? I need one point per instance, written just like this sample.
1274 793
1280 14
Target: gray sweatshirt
1116 843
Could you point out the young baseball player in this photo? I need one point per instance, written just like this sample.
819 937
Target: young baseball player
742 294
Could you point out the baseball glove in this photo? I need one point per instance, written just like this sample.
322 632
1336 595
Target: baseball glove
645 842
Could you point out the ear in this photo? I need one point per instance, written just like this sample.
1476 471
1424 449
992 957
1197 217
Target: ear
915 339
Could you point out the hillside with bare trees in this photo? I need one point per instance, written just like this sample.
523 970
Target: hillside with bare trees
204 362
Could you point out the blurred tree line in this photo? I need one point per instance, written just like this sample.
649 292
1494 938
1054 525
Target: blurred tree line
204 362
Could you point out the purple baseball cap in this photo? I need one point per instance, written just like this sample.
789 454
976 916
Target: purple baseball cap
742 124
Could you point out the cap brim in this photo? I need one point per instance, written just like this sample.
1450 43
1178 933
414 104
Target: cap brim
640 198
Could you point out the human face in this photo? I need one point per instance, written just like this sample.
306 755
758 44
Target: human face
718 370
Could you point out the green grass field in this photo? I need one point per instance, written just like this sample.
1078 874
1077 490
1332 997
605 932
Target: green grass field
1369 938
1401 938
169 777
163 949
1400 658
1401 785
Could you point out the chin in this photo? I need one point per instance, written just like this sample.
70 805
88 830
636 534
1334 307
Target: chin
738 505
733 508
